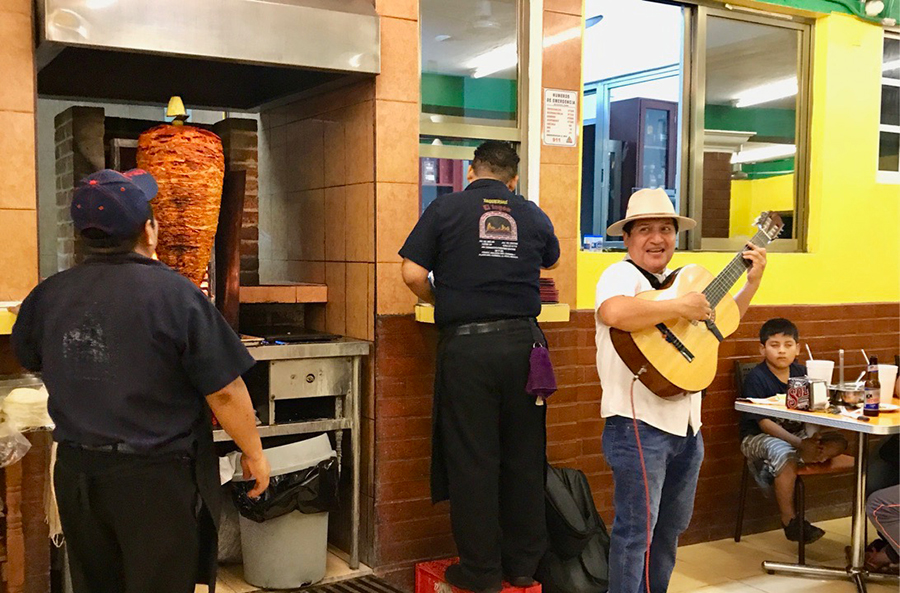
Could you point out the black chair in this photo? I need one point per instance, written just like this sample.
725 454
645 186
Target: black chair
838 465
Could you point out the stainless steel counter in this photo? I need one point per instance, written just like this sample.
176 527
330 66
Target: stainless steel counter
340 347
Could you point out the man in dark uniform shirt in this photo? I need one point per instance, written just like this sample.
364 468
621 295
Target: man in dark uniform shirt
486 246
131 353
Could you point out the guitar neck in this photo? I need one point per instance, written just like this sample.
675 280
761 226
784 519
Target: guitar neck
722 283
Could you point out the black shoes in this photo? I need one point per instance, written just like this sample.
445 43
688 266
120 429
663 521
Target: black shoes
457 577
521 582
811 533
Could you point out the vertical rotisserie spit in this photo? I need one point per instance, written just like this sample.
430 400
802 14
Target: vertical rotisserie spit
189 166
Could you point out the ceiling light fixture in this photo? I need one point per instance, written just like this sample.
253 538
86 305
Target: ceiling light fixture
767 93
764 153
874 8
507 56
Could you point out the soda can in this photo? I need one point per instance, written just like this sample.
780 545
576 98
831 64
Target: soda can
797 394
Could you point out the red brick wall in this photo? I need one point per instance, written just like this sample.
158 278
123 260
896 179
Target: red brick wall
408 528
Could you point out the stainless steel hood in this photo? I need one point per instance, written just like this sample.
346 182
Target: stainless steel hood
230 53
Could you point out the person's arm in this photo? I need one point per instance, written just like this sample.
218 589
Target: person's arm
774 429
25 341
756 256
235 413
634 314
810 449
550 257
416 279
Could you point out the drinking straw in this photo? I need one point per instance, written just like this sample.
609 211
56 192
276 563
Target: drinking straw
808 351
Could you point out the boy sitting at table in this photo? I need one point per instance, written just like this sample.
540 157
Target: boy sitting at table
774 448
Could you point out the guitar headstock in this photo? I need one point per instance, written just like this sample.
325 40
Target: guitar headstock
770 224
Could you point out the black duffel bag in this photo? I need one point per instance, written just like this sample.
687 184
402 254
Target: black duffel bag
577 560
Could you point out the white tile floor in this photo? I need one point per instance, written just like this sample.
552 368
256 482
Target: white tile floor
727 567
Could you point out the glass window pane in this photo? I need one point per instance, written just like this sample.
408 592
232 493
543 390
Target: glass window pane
444 165
752 72
636 134
889 152
891 63
440 176
890 105
469 62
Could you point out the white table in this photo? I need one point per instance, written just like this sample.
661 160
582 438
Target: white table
884 424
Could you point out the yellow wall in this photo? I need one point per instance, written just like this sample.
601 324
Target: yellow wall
854 223
749 197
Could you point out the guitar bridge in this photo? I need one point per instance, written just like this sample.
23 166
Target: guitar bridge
711 326
673 339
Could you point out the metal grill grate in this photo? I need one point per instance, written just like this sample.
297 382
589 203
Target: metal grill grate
367 584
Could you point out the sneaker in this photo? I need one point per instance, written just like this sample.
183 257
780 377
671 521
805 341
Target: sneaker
456 576
811 532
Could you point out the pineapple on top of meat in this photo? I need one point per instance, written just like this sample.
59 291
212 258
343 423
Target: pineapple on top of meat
188 164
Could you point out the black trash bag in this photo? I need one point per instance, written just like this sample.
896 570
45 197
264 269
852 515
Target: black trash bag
310 490
577 560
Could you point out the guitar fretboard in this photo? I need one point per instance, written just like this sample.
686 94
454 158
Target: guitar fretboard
722 283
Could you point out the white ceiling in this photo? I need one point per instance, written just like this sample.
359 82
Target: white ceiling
474 28
634 35
637 35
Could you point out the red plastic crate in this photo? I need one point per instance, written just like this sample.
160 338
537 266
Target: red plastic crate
430 579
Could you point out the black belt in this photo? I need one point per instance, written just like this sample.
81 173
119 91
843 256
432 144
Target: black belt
113 448
487 327
127 449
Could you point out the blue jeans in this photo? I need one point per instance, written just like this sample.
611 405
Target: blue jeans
673 466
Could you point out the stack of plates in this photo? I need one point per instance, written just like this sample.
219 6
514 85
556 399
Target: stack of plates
549 293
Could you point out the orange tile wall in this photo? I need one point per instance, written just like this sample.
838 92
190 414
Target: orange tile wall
18 198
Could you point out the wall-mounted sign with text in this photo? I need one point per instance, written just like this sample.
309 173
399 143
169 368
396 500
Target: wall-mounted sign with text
560 118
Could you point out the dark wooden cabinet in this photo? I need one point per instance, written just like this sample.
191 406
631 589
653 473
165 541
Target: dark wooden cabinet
648 132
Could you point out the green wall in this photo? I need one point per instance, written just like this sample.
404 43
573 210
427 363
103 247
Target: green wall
774 124
457 95
854 7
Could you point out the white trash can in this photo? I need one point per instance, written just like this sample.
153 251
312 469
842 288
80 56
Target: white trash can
290 551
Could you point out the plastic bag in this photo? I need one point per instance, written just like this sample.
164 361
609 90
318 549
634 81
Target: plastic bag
229 530
13 444
310 490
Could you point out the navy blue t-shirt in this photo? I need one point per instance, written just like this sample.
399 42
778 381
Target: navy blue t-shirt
486 247
761 382
127 348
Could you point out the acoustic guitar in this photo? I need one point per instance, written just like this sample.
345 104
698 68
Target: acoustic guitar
680 356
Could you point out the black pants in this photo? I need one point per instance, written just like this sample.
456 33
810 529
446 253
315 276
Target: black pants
130 521
494 441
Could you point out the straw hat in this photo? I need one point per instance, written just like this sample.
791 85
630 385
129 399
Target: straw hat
650 203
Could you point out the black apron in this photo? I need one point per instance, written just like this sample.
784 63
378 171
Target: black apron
206 471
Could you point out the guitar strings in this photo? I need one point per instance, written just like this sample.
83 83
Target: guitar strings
718 288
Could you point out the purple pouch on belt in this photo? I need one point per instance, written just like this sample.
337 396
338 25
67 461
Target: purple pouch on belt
541 379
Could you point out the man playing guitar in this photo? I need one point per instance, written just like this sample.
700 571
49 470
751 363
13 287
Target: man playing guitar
652 444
